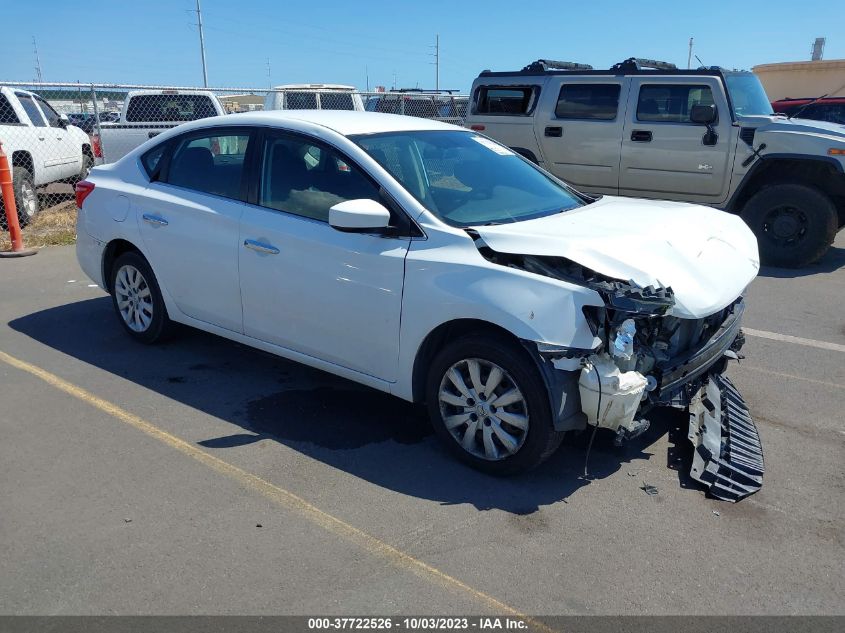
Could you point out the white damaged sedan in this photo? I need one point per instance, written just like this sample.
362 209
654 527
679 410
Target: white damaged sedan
429 262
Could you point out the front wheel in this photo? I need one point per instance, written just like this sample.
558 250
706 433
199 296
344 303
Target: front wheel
137 299
794 224
489 405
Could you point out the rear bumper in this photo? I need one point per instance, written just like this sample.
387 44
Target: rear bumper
728 456
89 254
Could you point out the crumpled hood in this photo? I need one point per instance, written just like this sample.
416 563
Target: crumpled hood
706 256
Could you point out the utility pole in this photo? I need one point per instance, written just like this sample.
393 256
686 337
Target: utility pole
38 76
436 62
689 57
202 46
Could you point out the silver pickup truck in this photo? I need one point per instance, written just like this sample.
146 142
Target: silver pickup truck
148 113
646 129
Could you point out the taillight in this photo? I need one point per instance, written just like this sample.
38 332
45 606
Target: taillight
83 188
96 146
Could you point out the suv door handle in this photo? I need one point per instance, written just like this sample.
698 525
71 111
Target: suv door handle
154 220
641 136
260 247
554 131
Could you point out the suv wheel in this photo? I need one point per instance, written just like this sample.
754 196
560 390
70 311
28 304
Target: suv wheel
489 404
794 224
26 198
137 299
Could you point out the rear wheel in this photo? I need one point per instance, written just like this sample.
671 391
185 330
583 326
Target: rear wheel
489 405
794 224
137 299
26 198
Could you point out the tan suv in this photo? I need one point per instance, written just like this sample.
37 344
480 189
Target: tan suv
646 129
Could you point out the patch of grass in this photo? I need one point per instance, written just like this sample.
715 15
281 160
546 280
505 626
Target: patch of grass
53 226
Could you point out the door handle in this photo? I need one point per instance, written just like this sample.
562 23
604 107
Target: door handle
260 247
554 131
40 138
152 134
154 220
641 136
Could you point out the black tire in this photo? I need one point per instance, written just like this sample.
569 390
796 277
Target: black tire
87 164
794 224
540 440
160 326
26 198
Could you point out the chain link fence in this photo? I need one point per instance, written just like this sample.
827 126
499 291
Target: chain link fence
54 133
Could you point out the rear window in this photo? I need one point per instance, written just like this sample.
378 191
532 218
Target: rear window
301 100
588 101
169 108
336 101
7 114
506 100
671 103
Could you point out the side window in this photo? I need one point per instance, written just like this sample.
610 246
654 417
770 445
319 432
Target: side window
212 163
50 114
588 101
32 110
305 179
7 113
151 158
506 100
671 103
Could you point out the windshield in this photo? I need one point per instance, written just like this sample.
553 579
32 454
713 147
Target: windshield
466 179
747 94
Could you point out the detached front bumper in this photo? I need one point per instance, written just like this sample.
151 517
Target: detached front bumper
728 456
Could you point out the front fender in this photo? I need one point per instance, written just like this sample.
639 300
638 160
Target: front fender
453 282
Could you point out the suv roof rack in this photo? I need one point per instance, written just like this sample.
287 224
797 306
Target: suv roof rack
551 64
639 63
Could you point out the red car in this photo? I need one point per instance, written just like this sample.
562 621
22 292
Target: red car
830 109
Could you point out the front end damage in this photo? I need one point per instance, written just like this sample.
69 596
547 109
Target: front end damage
649 358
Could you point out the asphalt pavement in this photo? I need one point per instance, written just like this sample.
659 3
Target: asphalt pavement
203 477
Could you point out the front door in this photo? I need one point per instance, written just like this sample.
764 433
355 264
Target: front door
664 154
306 286
189 223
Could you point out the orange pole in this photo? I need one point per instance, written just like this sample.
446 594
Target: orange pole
9 202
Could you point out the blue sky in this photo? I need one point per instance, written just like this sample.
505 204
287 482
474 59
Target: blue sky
328 41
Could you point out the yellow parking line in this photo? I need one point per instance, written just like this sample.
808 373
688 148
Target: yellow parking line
273 492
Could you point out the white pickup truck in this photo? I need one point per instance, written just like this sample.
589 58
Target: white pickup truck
148 113
42 148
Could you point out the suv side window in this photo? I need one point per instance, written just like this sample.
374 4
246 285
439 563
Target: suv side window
506 100
7 113
32 110
53 118
210 163
671 103
588 101
306 179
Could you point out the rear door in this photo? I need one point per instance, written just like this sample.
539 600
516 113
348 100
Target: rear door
504 111
189 223
579 125
664 154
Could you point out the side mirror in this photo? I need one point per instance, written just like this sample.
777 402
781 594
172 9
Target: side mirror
64 121
359 216
703 114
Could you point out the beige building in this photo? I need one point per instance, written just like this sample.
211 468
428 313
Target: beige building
802 79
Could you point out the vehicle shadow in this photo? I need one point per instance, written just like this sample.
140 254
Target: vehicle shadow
368 434
832 261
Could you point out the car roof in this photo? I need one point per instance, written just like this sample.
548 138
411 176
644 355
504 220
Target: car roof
314 87
346 122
